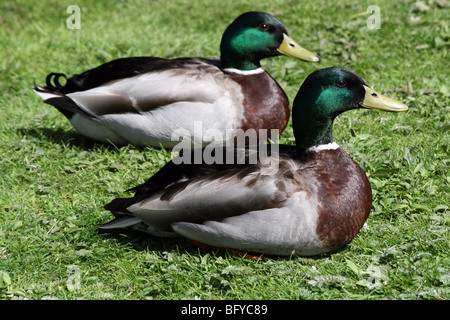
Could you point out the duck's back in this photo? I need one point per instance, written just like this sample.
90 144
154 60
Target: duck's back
120 69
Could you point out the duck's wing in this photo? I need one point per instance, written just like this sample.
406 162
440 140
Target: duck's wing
135 85
197 193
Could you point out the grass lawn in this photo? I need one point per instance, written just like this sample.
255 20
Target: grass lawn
55 182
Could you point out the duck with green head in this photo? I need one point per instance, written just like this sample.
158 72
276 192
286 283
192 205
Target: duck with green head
316 202
144 100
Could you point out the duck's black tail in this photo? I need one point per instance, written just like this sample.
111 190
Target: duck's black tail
53 94
53 84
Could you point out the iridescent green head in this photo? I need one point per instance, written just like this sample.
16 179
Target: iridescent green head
327 93
254 36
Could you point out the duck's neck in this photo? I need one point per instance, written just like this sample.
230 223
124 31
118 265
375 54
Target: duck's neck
311 129
238 63
234 54
309 135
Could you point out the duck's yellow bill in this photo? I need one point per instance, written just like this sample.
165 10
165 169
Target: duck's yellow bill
292 49
375 100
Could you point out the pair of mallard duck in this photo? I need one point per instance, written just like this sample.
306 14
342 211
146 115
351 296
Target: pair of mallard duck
315 202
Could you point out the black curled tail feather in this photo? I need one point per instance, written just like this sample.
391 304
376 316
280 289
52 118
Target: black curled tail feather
58 98
56 85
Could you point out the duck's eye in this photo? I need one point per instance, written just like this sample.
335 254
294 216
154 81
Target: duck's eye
263 27
341 83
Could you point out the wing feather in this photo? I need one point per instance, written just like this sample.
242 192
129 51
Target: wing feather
198 193
146 88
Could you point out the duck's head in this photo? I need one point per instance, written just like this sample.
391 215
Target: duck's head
327 93
257 35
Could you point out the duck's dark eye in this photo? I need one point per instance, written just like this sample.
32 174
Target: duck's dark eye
341 83
263 27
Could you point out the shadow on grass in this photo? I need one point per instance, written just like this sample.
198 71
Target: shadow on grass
73 139
141 241
60 136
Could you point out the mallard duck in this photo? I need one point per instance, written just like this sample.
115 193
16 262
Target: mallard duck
316 200
158 102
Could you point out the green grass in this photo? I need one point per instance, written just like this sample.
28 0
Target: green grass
55 182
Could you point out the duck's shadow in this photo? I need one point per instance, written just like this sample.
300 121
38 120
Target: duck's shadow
141 241
65 137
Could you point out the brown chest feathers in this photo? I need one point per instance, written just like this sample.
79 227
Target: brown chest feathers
344 196
266 106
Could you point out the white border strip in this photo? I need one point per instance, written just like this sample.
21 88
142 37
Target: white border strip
328 146
244 72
